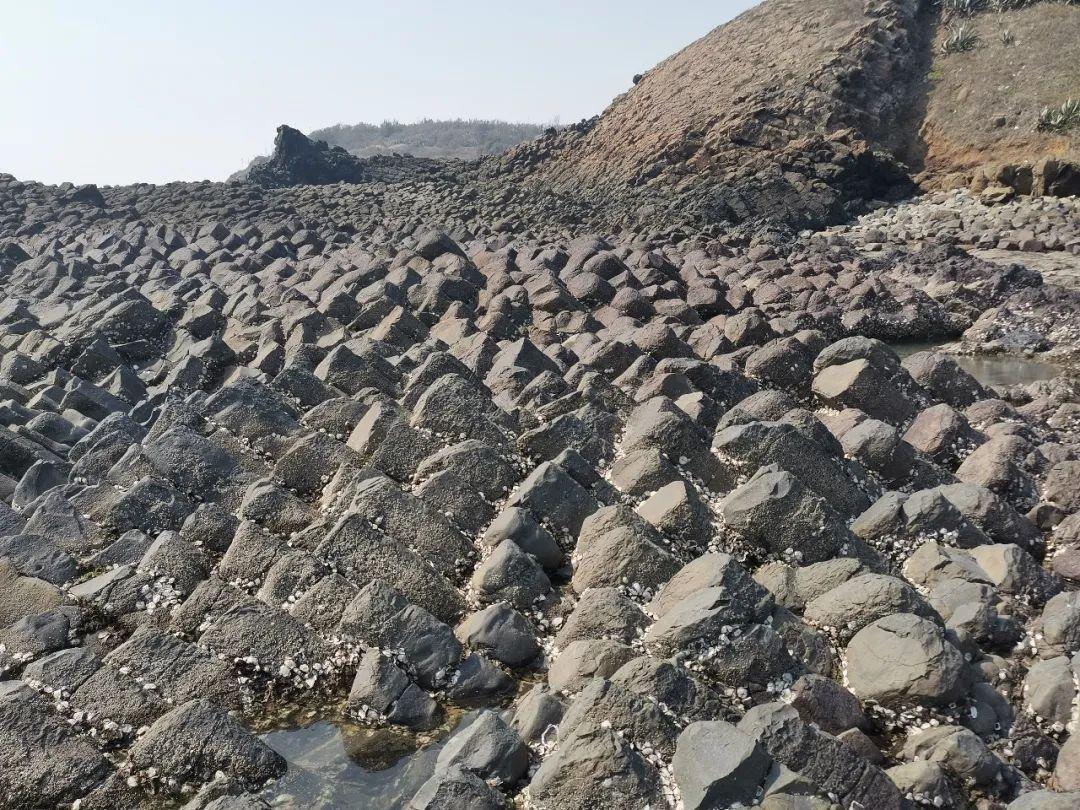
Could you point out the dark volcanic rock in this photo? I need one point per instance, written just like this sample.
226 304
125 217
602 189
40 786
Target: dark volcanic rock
389 438
298 160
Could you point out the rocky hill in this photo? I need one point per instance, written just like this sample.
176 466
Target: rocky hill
779 113
796 110
804 113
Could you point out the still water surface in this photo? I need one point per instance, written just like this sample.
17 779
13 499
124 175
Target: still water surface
996 370
340 766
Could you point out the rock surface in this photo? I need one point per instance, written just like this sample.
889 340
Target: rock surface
653 496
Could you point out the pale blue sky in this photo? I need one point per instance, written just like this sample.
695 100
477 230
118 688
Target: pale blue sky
119 91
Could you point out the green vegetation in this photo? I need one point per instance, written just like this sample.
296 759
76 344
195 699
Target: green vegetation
1059 119
462 139
962 8
962 38
1013 5
969 8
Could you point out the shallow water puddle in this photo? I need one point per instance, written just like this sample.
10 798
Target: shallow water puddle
996 370
341 765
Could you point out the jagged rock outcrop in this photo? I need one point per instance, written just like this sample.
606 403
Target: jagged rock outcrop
298 160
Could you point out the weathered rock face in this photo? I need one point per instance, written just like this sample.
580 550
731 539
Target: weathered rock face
194 742
905 659
296 160
1048 176
43 761
715 764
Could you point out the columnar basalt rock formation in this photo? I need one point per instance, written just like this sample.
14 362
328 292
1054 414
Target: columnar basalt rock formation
320 446
607 442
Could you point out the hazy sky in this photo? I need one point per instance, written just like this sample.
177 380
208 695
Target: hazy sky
120 91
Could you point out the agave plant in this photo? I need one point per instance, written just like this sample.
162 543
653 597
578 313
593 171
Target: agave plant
961 38
1013 5
962 8
1059 119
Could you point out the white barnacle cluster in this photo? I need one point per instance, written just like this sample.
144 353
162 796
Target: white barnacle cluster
366 715
902 720
298 674
159 594
926 799
635 591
